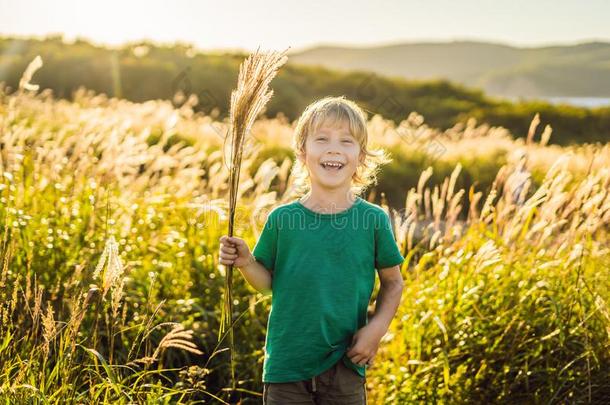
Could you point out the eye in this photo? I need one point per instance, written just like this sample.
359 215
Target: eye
347 141
321 138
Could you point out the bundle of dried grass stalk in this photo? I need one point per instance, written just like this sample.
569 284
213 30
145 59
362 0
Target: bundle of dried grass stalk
247 101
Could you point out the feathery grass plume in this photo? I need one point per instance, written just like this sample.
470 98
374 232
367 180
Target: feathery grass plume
532 129
38 291
48 324
178 338
112 276
76 318
5 255
247 101
33 66
546 135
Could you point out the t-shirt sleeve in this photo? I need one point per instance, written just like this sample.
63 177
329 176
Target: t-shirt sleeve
387 253
266 246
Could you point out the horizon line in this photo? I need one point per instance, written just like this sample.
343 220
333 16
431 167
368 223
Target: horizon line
69 39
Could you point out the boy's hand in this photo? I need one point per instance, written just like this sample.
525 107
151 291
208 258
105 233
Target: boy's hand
235 251
365 344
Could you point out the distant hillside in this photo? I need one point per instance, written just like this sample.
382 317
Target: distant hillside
573 70
142 71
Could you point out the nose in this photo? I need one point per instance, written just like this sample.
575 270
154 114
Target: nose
331 154
333 148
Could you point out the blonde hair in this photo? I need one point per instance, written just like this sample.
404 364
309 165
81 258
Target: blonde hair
332 110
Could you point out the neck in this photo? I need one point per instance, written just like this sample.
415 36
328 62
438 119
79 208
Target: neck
328 201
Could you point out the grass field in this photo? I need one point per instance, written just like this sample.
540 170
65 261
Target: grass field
110 288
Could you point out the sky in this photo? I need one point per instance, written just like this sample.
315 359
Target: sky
274 24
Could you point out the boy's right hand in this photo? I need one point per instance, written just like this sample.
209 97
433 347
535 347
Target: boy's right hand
235 251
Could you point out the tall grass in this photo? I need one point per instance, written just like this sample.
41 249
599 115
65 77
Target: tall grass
247 101
110 216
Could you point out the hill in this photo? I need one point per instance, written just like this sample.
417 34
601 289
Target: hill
142 71
581 70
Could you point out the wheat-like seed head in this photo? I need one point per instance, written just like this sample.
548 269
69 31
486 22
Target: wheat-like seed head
117 294
178 338
33 66
111 277
37 303
247 101
488 207
49 329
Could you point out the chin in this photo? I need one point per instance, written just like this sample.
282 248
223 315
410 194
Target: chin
327 184
334 182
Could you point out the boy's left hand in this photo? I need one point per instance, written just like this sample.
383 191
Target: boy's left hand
365 344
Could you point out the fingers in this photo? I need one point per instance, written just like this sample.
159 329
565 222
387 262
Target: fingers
227 258
231 241
226 241
361 359
231 248
227 249
228 252
227 262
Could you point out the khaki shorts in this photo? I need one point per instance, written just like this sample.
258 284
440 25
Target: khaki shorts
337 385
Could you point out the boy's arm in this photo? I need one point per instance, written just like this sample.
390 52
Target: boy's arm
365 341
257 276
388 298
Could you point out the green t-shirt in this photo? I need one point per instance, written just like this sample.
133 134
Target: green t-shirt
323 267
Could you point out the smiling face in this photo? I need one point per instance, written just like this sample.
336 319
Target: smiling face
332 155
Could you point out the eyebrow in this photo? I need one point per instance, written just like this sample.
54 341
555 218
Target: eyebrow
341 134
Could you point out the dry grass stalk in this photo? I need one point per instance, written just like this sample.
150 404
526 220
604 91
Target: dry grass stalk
76 318
178 338
48 324
532 129
247 101
33 66
111 277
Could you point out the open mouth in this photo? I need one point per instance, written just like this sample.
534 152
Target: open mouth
336 166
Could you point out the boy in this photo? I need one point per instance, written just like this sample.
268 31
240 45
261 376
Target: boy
317 257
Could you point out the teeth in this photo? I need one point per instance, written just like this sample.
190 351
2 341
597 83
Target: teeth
332 164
